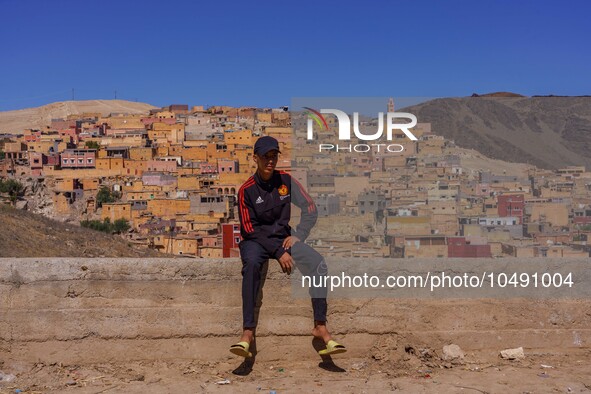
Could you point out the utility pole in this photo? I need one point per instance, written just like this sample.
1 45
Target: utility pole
115 95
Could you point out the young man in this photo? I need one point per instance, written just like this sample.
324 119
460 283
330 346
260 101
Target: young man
264 209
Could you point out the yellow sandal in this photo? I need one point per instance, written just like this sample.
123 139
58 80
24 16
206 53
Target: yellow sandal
241 349
332 347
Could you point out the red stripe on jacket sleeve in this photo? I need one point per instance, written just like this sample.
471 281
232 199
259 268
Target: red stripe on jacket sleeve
246 221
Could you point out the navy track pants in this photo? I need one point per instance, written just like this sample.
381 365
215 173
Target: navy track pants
255 257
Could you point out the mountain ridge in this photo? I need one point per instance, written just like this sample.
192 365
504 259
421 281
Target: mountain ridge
548 132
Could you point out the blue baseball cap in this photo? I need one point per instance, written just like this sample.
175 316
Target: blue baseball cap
266 144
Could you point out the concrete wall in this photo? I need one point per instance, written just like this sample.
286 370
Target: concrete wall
95 310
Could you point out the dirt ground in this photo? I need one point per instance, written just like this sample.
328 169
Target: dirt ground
393 363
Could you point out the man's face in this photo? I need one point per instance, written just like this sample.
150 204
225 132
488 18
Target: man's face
266 163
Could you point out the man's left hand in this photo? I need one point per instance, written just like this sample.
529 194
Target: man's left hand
290 241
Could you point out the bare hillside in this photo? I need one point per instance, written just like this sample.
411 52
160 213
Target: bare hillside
16 121
549 132
25 234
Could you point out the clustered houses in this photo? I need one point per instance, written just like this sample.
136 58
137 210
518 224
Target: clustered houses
176 172
432 201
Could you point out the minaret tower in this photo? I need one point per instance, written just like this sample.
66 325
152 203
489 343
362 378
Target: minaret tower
391 105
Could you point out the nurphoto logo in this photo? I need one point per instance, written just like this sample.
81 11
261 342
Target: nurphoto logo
344 132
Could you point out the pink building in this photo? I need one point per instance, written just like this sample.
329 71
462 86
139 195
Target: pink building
208 168
209 240
69 135
78 158
226 166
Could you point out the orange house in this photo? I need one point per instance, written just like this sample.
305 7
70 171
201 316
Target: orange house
115 211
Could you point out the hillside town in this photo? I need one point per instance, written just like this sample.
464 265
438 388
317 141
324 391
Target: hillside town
172 175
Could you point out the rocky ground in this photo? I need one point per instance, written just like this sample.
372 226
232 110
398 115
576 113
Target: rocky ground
387 366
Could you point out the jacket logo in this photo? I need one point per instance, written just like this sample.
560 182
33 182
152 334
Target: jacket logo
283 190
259 200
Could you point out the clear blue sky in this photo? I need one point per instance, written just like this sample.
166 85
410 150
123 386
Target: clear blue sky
264 53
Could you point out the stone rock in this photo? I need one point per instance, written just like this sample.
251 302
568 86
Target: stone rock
22 204
452 352
6 377
513 354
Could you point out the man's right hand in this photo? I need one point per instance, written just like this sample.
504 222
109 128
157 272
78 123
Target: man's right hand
286 263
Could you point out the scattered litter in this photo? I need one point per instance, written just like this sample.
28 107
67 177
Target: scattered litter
225 381
569 389
272 392
71 383
543 375
546 366
358 366
512 354
18 391
6 377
